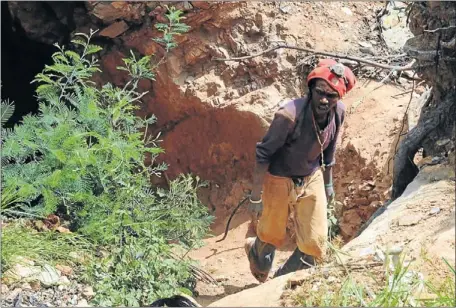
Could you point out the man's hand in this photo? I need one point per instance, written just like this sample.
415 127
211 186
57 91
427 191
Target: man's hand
329 189
255 206
328 180
255 209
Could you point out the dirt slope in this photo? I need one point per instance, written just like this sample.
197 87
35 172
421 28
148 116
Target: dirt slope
374 119
410 222
372 126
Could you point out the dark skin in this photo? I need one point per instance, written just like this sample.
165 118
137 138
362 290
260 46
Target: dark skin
323 100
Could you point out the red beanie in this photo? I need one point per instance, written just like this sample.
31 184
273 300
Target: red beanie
338 76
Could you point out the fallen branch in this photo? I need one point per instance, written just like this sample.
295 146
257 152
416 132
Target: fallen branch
400 94
440 29
324 53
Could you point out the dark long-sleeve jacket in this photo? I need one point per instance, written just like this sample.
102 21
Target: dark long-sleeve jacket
300 157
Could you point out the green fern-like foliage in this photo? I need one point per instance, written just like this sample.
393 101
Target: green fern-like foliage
83 156
172 28
84 143
7 110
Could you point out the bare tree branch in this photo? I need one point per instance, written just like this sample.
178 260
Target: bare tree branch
330 54
440 29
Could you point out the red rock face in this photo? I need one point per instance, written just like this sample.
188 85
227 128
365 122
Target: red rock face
360 186
217 144
109 12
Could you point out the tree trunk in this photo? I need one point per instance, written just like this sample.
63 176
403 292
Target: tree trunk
437 123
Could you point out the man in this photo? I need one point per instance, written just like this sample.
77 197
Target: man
293 167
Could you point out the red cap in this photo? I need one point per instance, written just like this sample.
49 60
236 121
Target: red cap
337 75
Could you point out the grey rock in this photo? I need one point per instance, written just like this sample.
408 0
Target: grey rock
4 289
48 276
285 9
83 303
64 281
26 286
409 220
368 50
395 33
395 250
379 255
347 11
365 44
88 292
74 300
367 252
13 294
22 271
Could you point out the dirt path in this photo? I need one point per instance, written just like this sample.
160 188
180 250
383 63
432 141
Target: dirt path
371 127
226 262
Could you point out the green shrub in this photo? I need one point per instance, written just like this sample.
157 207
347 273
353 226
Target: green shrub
83 157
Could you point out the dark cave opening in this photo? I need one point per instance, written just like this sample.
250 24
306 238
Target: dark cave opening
21 59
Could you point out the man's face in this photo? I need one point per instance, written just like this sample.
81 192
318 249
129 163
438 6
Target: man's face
324 98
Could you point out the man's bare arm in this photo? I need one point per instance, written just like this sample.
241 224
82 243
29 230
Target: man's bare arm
258 178
327 175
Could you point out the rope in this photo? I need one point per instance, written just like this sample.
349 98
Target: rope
229 220
317 133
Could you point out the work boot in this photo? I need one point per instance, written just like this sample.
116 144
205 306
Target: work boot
297 261
260 256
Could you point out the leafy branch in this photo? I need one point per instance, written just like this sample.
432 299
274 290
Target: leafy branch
83 157
173 28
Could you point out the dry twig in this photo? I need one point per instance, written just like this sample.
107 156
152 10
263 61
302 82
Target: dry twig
402 93
197 272
202 275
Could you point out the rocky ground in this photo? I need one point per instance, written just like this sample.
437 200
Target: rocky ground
28 284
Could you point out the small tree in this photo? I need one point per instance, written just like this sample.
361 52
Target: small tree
83 156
